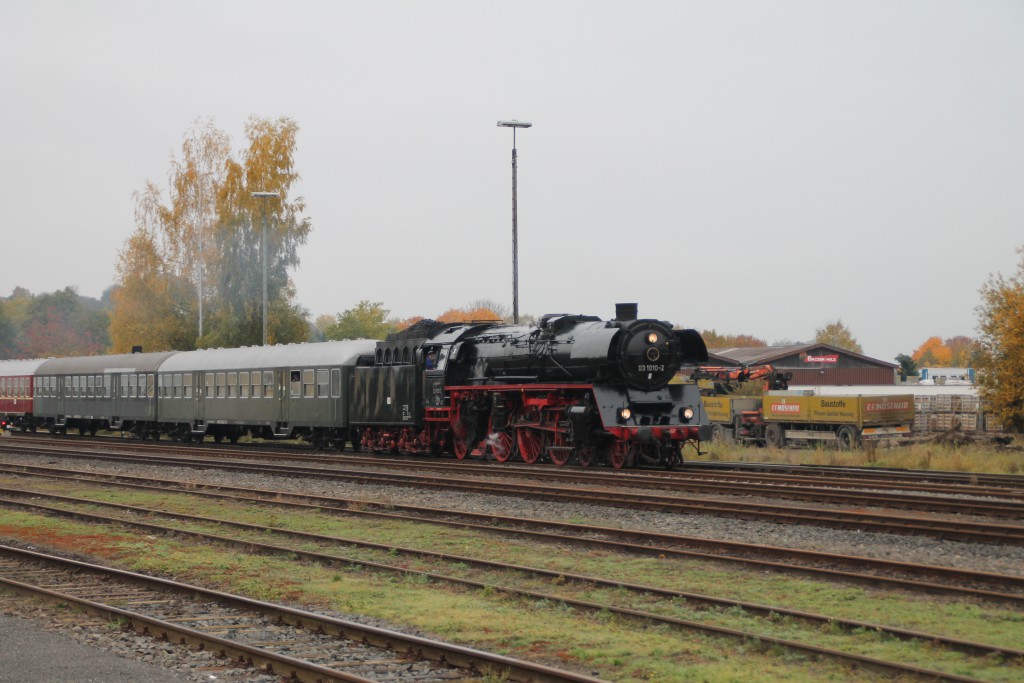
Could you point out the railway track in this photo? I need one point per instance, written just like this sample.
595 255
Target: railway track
1001 588
695 477
648 618
1011 482
962 530
289 642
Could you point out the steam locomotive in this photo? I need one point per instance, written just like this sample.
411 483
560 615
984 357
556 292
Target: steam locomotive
573 389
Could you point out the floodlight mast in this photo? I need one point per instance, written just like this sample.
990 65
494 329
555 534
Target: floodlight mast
513 124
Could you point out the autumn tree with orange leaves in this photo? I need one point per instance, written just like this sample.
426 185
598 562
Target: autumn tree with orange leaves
959 351
714 340
1001 361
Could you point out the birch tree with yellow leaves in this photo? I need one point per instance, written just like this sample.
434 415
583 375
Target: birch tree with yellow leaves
195 261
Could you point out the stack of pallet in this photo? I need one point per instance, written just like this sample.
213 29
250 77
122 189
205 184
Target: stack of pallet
943 412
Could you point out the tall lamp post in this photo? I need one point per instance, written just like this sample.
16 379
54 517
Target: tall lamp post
265 196
513 124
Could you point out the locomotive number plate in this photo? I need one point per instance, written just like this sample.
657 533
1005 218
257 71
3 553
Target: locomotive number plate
650 368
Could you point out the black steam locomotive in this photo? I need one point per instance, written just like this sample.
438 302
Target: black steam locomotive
574 388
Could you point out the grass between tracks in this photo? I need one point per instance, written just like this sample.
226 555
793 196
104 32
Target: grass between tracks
612 647
982 459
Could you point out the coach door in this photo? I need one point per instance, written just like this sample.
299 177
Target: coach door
194 391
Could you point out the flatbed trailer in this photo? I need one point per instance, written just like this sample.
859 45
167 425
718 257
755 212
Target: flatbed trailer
779 418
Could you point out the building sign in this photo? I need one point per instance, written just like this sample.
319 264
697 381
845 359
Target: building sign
822 359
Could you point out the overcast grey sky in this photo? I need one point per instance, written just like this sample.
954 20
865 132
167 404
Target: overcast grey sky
751 167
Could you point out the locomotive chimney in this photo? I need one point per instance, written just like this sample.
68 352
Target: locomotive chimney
625 312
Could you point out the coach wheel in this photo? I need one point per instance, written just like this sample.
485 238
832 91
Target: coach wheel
775 436
846 438
217 438
530 444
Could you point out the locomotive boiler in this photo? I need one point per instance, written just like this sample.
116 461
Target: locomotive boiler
573 388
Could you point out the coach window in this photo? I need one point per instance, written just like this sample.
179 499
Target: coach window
257 383
99 386
308 383
67 387
209 384
336 383
232 384
187 381
108 382
243 385
323 383
295 382
268 384
76 386
90 386
151 385
221 379
176 385
133 386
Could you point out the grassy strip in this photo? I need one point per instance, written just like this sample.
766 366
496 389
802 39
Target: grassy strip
947 617
602 644
978 458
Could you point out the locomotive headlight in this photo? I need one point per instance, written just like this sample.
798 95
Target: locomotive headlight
685 414
652 338
624 415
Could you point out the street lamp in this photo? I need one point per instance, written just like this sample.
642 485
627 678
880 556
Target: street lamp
513 124
265 196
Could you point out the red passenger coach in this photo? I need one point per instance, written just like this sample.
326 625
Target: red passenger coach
17 386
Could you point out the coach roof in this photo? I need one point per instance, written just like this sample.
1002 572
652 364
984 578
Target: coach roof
281 356
19 368
91 365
